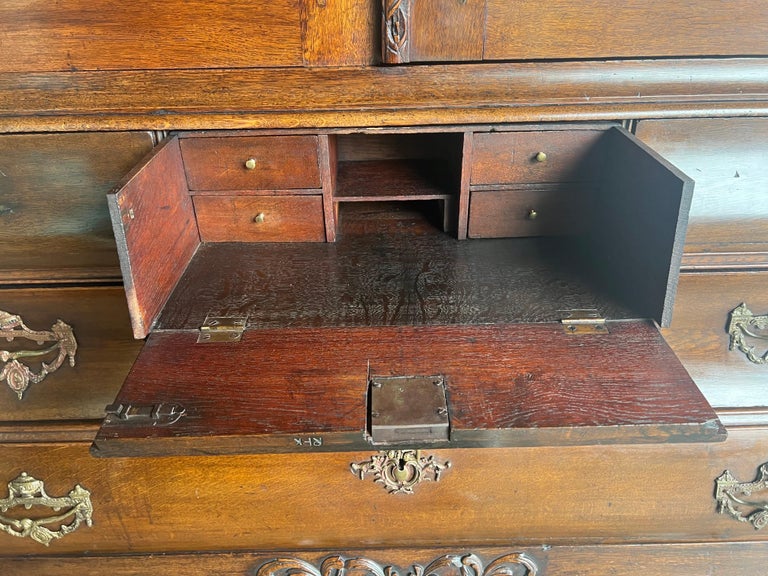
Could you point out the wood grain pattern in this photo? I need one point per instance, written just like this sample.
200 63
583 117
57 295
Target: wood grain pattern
260 219
382 180
603 29
383 96
699 337
340 33
508 385
726 158
446 31
560 495
106 35
106 350
501 158
281 162
716 559
54 222
154 223
389 266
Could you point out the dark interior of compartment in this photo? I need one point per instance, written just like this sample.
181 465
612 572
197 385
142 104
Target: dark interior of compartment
390 266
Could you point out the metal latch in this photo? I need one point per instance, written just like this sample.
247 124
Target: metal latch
161 414
407 409
222 329
583 321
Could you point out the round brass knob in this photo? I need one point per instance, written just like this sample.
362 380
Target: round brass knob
259 218
532 214
541 157
250 164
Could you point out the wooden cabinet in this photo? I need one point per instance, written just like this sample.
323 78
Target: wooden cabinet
363 292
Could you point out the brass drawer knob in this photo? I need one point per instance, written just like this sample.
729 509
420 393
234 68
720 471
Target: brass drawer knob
739 499
69 512
259 218
400 471
742 325
18 375
532 214
250 164
541 157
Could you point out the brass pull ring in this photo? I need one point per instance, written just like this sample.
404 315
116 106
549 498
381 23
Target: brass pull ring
742 325
731 495
26 491
400 471
18 375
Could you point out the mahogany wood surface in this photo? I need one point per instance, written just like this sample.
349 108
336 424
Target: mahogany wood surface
54 222
260 218
105 352
281 162
383 180
383 96
726 157
629 29
154 223
715 559
507 385
516 496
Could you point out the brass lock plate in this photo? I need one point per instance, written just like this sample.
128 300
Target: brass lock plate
407 409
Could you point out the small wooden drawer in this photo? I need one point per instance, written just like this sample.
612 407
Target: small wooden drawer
251 162
260 218
519 157
541 211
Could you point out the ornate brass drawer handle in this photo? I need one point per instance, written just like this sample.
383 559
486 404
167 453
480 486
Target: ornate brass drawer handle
742 325
26 492
732 496
400 471
513 564
18 375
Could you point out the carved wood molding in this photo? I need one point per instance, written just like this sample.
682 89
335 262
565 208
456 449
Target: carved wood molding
395 21
512 564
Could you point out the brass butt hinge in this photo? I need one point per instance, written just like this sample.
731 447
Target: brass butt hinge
583 321
222 329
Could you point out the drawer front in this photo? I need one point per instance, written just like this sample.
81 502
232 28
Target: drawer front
522 157
105 352
699 336
251 163
529 496
523 212
53 218
260 218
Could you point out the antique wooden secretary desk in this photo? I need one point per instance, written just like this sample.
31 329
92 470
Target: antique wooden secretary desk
325 287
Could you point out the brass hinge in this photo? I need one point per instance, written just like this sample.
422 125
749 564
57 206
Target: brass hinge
222 329
161 414
583 321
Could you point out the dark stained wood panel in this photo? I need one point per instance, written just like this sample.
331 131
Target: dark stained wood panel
54 221
506 384
156 232
389 266
637 225
107 35
524 29
727 159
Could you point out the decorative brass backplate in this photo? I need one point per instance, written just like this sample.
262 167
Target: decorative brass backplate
513 564
18 375
742 325
400 471
734 497
26 492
